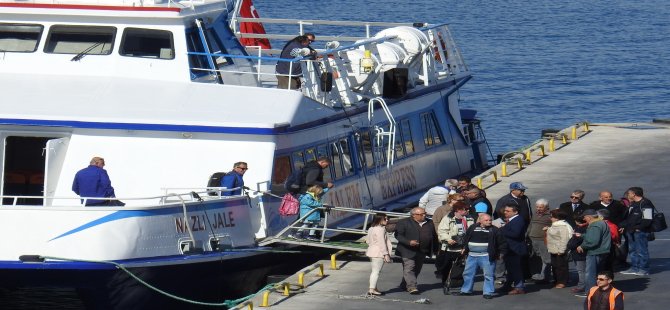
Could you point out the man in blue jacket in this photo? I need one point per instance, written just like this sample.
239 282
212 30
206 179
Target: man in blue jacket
234 179
93 181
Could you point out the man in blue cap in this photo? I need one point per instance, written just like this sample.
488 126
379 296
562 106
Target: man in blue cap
518 198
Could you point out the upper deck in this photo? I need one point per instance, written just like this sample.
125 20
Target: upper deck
167 62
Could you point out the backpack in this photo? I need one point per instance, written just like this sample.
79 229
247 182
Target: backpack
294 182
215 181
289 205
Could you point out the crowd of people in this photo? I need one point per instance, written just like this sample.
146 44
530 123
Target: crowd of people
516 241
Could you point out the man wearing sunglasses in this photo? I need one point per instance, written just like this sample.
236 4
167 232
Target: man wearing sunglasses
234 179
574 207
603 295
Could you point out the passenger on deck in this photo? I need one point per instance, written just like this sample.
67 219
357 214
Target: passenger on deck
575 206
289 73
309 201
234 179
617 210
93 181
379 249
536 233
312 174
416 240
517 197
478 203
434 198
464 183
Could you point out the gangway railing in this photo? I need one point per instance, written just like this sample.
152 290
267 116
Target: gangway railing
359 229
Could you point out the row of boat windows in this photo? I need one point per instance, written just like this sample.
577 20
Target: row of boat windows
370 153
87 40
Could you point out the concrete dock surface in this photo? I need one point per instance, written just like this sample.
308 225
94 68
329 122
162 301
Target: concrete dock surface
610 157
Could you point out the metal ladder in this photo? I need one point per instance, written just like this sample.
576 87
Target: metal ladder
381 135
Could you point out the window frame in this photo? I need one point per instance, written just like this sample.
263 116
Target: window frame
37 40
55 28
125 35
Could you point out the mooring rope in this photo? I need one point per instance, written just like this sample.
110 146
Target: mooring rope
227 303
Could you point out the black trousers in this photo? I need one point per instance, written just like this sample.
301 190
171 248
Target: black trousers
559 264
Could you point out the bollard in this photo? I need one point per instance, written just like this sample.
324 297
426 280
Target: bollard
573 136
301 275
552 147
542 150
586 127
519 164
479 183
503 167
528 154
565 139
286 289
266 299
495 177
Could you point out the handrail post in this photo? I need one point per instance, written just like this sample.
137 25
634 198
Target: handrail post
503 167
333 261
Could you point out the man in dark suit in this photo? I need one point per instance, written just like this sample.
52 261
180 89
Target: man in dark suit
416 239
514 232
616 209
574 207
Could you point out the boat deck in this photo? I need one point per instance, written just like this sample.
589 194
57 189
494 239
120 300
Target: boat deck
611 156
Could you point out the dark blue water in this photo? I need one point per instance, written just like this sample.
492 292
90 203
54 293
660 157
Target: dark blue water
537 64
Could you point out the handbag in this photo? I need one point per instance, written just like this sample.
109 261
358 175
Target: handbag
289 205
658 221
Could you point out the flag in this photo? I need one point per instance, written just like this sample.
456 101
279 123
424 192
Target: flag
248 10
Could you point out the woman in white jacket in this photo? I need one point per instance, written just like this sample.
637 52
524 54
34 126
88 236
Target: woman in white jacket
558 236
379 249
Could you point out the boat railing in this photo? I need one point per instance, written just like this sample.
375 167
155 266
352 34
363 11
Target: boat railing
343 75
170 197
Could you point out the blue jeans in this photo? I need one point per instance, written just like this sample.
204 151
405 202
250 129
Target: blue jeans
594 264
638 251
487 266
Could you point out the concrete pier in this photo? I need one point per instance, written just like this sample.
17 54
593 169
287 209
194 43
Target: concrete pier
609 157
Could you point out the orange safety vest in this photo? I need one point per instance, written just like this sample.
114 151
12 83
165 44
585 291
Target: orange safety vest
613 295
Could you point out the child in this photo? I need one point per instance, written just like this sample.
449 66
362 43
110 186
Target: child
309 201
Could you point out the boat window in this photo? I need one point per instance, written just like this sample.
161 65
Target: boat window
341 160
280 171
365 147
197 63
298 160
149 43
19 37
399 148
322 151
310 154
404 127
87 40
431 132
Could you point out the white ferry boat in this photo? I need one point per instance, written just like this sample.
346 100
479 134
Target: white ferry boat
167 94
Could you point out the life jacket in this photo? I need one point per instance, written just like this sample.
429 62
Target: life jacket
612 298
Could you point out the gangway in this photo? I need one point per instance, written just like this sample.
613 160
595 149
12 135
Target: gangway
353 215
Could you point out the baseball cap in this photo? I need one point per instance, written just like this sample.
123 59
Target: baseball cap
517 185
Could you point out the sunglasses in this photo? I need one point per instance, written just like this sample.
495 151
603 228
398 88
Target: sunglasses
574 197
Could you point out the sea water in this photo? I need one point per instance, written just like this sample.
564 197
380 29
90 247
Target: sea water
536 64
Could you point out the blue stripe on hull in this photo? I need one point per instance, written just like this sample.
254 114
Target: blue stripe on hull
123 214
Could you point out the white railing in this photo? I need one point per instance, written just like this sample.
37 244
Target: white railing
440 61
168 198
